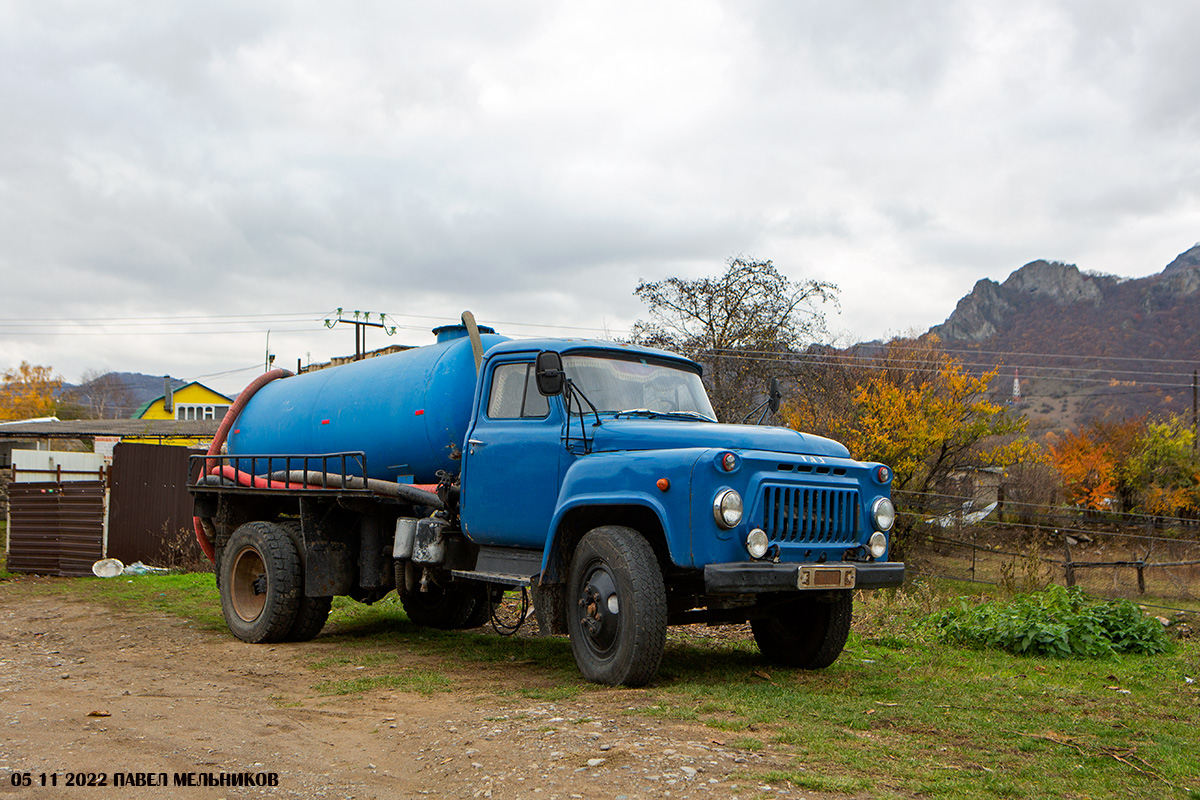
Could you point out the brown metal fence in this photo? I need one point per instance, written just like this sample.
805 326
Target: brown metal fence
150 512
55 528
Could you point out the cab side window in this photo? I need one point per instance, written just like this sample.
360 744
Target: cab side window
514 393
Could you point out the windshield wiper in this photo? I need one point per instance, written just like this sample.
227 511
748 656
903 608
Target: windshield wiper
686 415
649 412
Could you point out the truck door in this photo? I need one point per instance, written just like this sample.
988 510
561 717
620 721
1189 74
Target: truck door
512 461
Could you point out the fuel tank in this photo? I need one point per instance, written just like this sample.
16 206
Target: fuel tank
408 411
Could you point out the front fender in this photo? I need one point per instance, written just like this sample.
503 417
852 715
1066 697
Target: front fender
631 479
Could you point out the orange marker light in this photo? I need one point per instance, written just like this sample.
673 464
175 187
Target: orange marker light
663 484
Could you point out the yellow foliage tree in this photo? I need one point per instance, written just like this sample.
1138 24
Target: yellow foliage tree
1163 471
28 391
917 410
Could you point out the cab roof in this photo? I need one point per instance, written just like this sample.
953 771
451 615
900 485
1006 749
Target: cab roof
566 346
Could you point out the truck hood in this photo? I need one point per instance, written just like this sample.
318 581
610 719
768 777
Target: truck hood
660 434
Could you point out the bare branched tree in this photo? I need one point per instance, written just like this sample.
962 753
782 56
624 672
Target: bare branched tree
741 325
103 395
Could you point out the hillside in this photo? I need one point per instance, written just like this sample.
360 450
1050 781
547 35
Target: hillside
116 395
1086 345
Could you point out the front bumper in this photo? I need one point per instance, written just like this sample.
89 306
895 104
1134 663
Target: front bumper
764 576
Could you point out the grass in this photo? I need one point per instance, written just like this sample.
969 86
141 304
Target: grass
900 714
408 679
4 573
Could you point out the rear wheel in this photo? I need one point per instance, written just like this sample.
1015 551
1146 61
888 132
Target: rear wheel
310 618
616 607
453 607
260 582
312 611
808 632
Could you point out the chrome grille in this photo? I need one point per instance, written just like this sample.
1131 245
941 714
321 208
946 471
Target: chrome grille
810 515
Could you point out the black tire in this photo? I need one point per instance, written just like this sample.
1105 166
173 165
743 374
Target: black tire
312 611
808 632
489 598
260 582
616 607
310 618
448 608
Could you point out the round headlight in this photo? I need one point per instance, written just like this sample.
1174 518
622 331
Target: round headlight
883 514
877 545
757 543
727 509
729 462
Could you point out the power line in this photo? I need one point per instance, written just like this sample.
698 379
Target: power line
150 332
171 318
918 368
900 345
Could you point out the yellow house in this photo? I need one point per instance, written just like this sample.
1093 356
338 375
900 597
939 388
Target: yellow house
194 401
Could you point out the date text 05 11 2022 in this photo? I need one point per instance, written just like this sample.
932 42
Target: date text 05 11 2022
84 779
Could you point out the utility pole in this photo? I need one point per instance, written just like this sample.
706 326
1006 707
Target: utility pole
1195 429
360 326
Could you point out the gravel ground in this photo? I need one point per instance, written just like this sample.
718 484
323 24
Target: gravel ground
135 697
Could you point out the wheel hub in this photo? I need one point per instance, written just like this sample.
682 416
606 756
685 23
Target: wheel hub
601 609
248 584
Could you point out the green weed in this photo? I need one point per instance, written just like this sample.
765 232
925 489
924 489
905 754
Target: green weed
1054 622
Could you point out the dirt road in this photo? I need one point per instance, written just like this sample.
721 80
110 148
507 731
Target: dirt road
145 697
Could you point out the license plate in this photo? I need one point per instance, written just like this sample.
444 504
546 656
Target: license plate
839 577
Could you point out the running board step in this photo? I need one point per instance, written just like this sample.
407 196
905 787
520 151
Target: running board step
509 566
492 577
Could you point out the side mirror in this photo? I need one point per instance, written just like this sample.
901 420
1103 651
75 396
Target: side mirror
774 395
548 372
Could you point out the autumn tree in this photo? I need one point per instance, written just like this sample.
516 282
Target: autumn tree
1163 471
1090 463
916 409
742 325
1087 469
28 391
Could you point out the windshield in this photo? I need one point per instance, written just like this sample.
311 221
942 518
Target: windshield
642 385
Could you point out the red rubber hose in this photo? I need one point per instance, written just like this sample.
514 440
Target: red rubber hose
219 441
246 479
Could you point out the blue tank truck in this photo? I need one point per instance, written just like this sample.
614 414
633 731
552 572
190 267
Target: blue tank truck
591 473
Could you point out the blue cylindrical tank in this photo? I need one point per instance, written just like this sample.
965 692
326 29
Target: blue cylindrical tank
408 411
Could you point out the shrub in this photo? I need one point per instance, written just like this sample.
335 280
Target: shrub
1057 622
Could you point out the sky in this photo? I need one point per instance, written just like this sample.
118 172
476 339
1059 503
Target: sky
179 179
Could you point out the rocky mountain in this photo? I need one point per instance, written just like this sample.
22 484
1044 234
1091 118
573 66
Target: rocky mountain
1086 345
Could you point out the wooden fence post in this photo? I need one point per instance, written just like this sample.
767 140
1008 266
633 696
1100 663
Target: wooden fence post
1068 565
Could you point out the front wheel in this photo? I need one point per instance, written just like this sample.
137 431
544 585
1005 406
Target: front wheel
809 632
260 582
616 607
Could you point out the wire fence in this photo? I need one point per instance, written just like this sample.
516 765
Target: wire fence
1153 560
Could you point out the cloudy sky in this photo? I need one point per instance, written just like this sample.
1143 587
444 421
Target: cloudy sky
176 179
